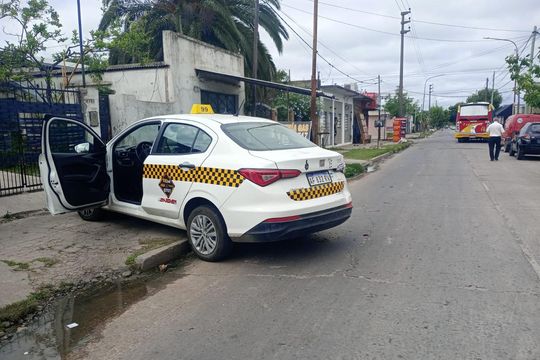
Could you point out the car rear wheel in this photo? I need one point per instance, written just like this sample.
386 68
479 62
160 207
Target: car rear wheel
512 152
207 234
519 153
94 214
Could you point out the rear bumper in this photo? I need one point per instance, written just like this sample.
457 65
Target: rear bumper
530 148
301 225
460 135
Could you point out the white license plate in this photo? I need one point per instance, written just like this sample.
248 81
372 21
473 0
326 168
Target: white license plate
319 178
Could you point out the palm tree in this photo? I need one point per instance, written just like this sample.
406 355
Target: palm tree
223 23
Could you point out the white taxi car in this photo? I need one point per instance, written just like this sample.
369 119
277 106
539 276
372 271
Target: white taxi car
223 178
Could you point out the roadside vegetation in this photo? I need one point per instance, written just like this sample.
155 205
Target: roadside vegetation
352 170
370 153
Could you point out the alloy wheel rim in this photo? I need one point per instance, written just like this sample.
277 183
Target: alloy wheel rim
87 212
203 234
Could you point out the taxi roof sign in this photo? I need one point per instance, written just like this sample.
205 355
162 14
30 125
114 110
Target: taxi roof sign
202 109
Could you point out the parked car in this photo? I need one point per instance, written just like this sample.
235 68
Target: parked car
527 141
223 178
513 125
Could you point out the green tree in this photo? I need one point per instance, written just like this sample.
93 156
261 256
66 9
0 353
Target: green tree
223 23
527 78
438 117
452 111
37 23
410 106
483 95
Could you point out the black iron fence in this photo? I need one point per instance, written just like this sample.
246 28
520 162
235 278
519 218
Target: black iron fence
23 106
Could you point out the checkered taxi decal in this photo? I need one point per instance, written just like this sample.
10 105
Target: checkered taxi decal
316 191
214 176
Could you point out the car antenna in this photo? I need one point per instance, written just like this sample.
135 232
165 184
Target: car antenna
238 110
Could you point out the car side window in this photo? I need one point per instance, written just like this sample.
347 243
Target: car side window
71 138
183 139
535 128
144 133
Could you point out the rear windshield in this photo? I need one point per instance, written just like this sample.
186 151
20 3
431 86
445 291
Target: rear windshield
474 110
265 136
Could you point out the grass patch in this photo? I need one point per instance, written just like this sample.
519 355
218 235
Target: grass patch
367 154
16 265
14 312
147 245
48 262
351 170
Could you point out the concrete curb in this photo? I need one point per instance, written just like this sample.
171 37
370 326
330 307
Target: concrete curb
161 255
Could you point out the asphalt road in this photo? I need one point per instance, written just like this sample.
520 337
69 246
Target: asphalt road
439 261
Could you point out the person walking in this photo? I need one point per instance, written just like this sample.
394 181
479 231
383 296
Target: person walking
495 130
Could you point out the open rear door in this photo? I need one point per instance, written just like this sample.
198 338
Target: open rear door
73 166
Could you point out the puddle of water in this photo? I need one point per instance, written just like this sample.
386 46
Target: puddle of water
49 338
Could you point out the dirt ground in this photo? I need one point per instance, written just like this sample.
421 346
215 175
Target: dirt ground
42 249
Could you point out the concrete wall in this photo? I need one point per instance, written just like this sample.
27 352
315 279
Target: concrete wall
149 91
184 55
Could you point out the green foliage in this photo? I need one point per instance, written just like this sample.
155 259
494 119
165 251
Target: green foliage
299 104
484 95
223 23
438 117
367 154
38 23
527 77
410 106
352 170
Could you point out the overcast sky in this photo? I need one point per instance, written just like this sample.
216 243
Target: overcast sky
363 45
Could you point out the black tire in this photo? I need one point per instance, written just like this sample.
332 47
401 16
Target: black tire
459 140
93 214
520 155
207 247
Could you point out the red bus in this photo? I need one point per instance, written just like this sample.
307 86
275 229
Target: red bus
472 121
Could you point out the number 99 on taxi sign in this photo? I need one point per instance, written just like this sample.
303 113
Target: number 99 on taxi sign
202 109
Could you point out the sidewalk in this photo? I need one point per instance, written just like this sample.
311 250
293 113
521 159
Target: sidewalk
30 201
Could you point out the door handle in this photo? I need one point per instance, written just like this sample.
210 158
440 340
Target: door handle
186 165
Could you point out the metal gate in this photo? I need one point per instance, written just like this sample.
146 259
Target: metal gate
23 106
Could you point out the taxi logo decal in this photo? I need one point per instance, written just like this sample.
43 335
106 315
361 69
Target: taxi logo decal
166 185
316 191
206 175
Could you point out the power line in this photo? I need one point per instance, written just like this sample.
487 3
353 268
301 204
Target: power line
318 54
381 31
323 45
421 21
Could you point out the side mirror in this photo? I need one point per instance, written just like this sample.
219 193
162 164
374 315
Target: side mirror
82 148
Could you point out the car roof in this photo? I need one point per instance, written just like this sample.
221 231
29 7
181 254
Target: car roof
216 118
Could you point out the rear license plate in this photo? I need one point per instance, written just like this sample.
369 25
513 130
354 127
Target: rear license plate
319 178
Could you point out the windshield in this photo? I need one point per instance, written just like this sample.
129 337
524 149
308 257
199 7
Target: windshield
474 110
265 136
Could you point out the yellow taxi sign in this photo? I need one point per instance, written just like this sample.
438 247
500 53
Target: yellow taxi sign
202 109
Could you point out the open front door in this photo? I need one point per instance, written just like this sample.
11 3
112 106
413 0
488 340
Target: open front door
73 166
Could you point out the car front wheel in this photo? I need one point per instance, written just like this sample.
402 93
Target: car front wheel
94 214
207 234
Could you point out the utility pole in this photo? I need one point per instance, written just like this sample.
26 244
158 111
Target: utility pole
403 32
313 107
430 91
255 54
81 43
492 88
379 108
487 89
535 31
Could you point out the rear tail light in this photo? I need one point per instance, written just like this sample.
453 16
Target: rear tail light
264 177
283 219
